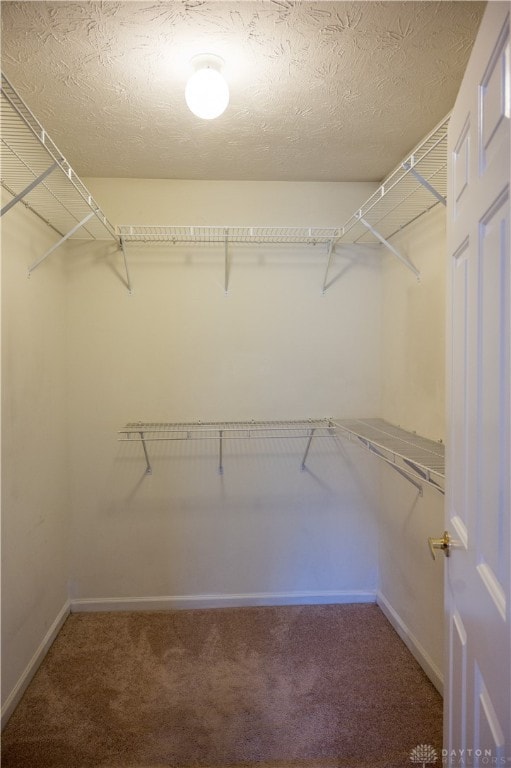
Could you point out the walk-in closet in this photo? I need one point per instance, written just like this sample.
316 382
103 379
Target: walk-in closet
229 485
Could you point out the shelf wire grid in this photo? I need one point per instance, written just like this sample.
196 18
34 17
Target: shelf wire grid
228 430
26 152
219 234
62 200
419 459
398 201
406 450
220 432
402 198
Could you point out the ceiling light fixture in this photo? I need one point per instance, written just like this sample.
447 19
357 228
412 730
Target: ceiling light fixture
207 93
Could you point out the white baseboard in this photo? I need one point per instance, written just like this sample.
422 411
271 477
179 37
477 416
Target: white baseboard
171 603
17 692
413 645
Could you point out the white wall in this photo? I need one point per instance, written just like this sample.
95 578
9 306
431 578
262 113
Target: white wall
413 362
35 501
413 370
180 349
81 357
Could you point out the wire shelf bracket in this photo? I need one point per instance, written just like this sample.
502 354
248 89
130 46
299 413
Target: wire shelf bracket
59 242
307 448
24 192
330 258
125 259
407 475
425 183
36 173
403 259
226 260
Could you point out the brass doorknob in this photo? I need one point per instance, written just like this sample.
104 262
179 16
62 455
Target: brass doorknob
445 544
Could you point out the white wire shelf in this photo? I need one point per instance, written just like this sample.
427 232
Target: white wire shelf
416 458
414 188
226 236
238 235
419 459
403 197
398 201
305 430
35 173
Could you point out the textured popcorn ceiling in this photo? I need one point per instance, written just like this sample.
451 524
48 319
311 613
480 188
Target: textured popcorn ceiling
323 91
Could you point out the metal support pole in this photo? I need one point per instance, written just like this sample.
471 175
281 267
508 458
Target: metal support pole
149 470
62 240
226 249
28 189
128 281
220 451
307 448
425 183
391 248
330 256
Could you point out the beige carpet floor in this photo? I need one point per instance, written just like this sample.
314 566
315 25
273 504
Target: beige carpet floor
288 687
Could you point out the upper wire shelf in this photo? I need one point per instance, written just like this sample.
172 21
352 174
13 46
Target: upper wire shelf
206 234
412 189
398 201
35 172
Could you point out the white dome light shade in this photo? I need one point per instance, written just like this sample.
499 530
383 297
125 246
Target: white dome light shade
207 93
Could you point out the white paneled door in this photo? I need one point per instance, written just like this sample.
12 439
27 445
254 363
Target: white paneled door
478 571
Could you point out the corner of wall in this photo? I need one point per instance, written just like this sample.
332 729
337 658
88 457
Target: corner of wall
35 469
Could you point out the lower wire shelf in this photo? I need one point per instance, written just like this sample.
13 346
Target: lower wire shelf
306 429
417 459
